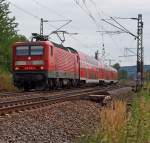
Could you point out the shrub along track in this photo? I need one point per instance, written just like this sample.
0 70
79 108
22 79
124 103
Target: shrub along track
39 100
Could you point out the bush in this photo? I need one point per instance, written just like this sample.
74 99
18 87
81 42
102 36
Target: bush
6 83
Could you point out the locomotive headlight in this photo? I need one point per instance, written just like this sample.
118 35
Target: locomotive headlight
42 68
16 68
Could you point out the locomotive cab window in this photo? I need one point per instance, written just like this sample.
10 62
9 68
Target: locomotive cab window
22 50
37 50
51 51
77 59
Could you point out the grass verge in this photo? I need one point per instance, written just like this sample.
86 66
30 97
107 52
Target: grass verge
117 125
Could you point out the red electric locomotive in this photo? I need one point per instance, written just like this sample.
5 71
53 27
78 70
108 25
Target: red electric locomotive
42 64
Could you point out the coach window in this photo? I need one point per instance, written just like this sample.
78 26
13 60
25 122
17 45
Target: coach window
22 50
37 50
77 59
51 51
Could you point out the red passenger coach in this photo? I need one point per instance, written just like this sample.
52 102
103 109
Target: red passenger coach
89 71
95 71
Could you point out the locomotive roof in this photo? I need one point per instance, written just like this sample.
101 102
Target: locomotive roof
64 48
69 49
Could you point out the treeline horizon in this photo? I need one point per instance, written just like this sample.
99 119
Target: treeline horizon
8 35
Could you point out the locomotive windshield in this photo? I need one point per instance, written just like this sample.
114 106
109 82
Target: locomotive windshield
36 50
22 51
29 50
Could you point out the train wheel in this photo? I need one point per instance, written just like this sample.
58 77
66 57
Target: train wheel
26 87
41 87
78 83
50 84
73 83
69 84
101 83
61 83
56 83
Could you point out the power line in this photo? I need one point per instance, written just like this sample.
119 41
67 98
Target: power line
114 25
44 6
140 48
127 31
69 21
98 13
82 43
87 11
100 17
60 15
25 11
110 36
37 17
29 13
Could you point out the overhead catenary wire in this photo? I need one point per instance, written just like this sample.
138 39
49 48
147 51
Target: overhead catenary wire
86 10
68 20
114 25
127 31
63 17
29 13
94 4
89 12
80 42
102 27
121 26
25 11
53 11
40 4
110 36
99 15
123 29
44 6
61 27
38 18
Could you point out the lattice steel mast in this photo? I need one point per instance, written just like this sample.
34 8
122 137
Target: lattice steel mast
140 52
140 48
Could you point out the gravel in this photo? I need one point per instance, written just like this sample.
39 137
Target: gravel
59 123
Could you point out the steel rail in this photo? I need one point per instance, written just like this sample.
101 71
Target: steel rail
41 97
34 103
20 93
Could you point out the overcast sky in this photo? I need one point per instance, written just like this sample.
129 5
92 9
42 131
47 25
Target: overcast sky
88 40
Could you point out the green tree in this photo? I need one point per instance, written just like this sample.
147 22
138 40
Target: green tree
116 66
8 35
123 74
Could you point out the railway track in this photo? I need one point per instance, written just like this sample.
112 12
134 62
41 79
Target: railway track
22 93
31 103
